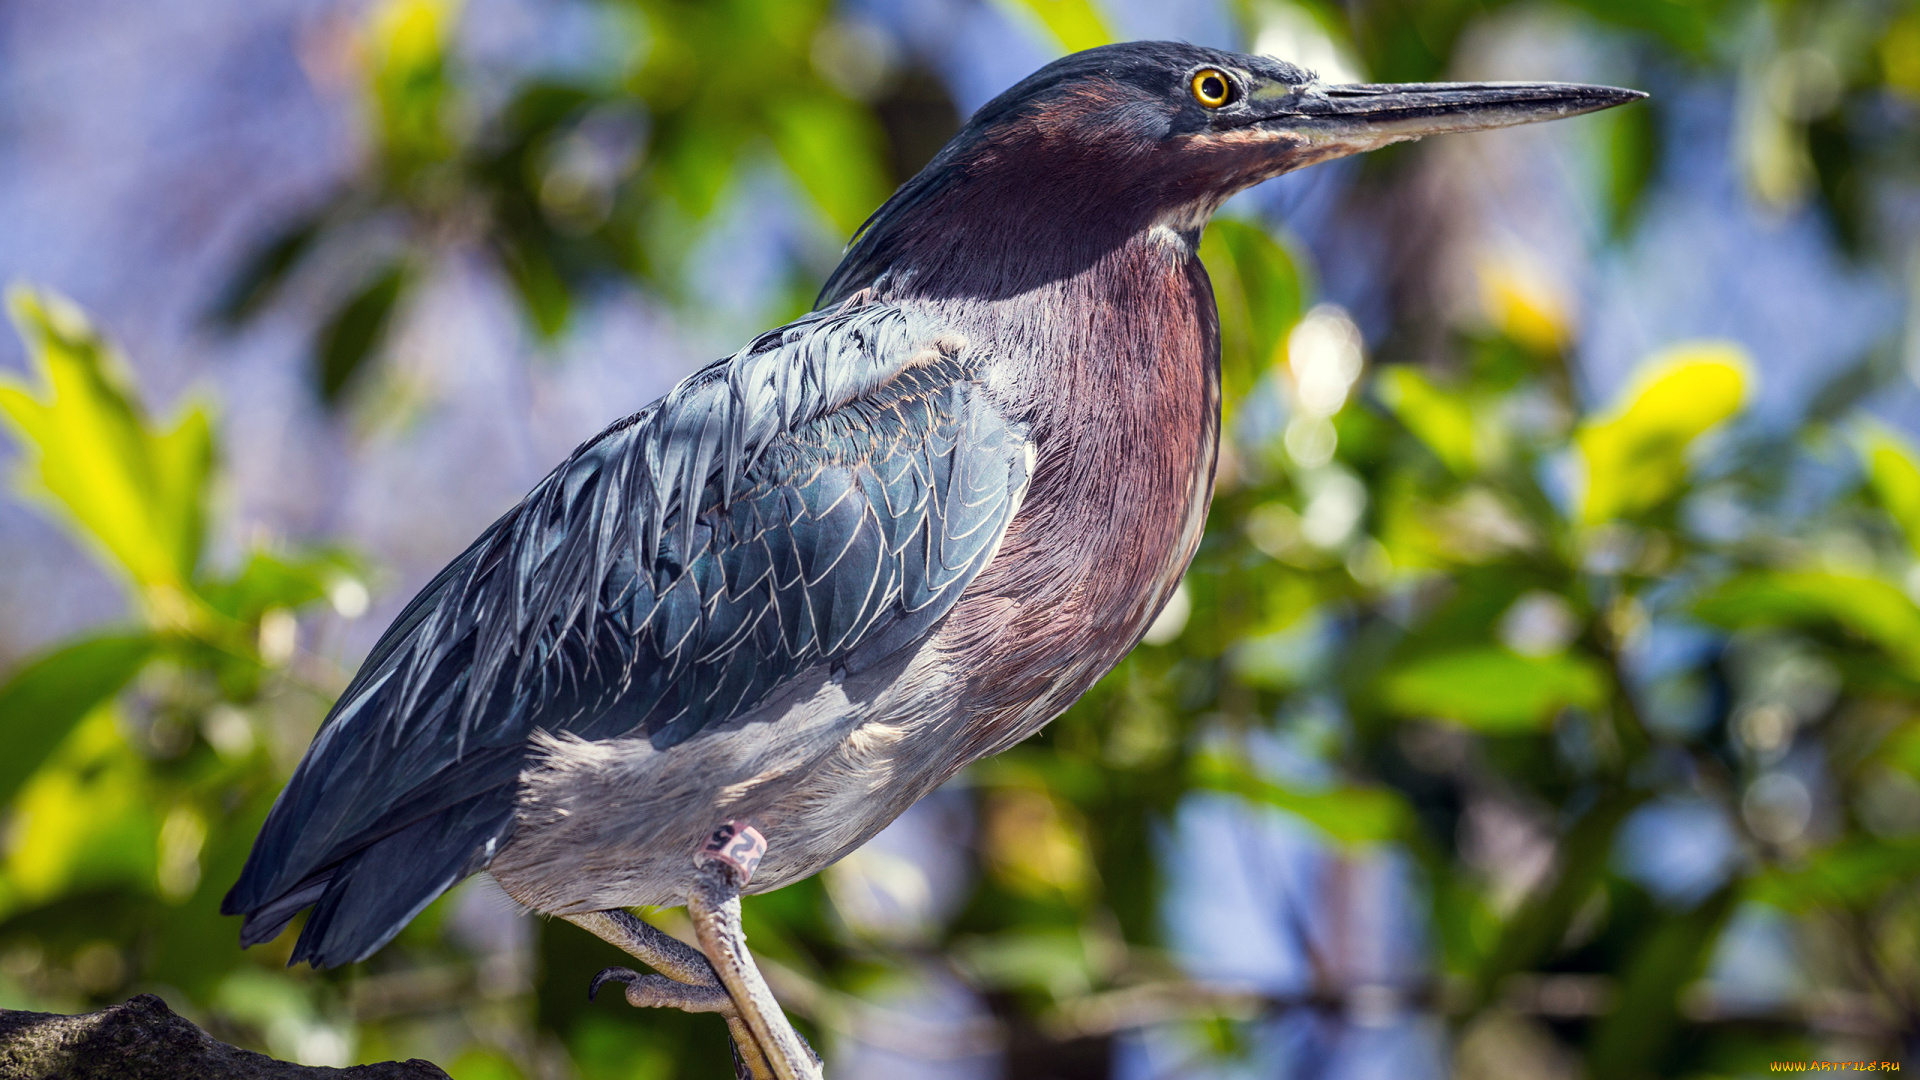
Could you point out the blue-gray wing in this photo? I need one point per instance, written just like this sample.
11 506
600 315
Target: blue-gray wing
822 497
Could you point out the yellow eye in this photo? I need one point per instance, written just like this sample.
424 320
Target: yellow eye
1211 88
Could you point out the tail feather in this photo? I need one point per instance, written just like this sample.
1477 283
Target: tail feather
362 901
265 923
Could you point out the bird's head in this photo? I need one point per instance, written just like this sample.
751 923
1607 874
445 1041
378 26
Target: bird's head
1107 143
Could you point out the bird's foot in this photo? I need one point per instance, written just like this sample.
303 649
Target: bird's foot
727 862
648 943
657 992
660 992
690 982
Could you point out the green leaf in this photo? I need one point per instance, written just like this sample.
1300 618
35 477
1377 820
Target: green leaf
1902 750
48 695
1894 475
350 334
88 818
1493 690
1076 24
696 167
1868 607
406 47
267 267
1855 872
543 292
1636 452
134 490
1258 287
1350 815
1632 1040
835 150
279 581
1439 418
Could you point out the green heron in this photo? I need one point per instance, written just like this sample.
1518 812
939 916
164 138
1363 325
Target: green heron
756 620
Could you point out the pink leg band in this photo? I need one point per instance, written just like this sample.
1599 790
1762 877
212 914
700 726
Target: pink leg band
737 845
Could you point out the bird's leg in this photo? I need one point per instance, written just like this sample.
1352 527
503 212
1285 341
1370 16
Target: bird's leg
690 983
726 863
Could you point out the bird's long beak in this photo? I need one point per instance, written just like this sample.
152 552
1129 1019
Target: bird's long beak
1340 120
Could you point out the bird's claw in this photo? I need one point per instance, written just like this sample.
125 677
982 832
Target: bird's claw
607 975
660 992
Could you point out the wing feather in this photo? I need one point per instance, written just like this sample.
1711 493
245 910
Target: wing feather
822 497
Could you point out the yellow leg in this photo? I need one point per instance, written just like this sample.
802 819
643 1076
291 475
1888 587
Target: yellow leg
715 909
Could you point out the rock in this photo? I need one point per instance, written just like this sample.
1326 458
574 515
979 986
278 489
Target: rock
145 1040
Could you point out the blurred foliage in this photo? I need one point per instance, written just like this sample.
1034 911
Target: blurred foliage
579 179
139 762
1481 626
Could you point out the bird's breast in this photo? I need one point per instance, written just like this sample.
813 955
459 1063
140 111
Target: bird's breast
1117 373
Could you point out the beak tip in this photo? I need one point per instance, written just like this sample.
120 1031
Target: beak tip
1590 98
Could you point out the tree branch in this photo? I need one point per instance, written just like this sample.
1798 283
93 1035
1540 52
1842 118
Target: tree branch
145 1040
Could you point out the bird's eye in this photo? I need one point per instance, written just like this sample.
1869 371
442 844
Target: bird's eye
1211 87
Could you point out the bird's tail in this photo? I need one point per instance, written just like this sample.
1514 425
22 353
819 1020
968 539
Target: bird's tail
360 902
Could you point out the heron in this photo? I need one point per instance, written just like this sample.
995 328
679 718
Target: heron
737 633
